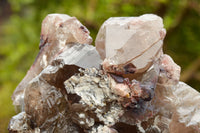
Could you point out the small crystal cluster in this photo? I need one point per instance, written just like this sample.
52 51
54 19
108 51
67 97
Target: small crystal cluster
124 84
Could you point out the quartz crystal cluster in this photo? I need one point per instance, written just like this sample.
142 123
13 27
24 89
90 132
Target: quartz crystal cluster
125 84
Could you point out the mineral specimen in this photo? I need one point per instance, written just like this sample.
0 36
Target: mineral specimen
135 88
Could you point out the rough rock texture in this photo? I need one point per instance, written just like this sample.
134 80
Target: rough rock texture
136 89
48 89
96 103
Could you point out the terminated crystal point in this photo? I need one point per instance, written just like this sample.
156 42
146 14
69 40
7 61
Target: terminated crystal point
130 40
58 30
64 29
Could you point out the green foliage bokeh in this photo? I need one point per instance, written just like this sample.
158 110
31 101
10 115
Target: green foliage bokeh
20 35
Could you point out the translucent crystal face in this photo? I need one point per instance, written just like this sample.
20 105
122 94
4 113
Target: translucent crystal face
130 40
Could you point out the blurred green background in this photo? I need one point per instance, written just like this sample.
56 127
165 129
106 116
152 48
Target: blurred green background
20 24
